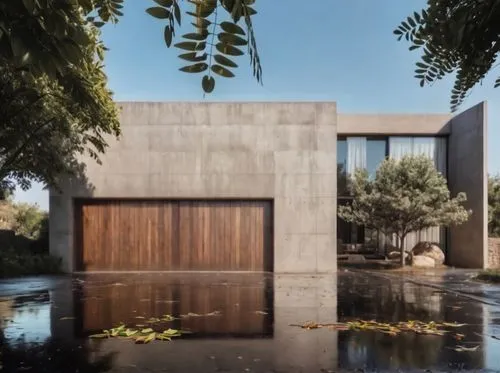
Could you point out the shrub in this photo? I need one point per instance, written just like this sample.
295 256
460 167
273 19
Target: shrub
21 262
30 221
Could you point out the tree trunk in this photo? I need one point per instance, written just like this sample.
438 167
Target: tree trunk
402 250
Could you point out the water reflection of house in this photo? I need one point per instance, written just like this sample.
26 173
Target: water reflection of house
6 311
405 301
253 329
245 310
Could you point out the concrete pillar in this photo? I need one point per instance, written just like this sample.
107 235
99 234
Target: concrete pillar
468 173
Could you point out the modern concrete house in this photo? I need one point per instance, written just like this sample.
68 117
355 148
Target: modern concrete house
253 187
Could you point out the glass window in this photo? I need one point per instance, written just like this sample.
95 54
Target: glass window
375 154
341 167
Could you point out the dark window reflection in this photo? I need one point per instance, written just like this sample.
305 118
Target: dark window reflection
342 167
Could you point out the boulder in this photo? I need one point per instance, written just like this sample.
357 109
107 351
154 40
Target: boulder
430 250
422 261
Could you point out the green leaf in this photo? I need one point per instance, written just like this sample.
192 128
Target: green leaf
193 57
208 84
171 332
228 49
150 338
222 71
29 5
196 68
224 61
191 46
165 3
168 36
232 39
177 12
196 36
158 12
250 11
232 28
201 23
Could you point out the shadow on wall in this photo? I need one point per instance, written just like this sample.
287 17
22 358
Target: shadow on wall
61 212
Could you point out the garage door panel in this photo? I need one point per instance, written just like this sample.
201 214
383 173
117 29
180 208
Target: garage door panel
174 235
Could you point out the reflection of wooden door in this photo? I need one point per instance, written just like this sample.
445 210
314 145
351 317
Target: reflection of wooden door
173 235
241 306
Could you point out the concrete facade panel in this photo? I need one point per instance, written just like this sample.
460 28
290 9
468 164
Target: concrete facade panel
221 150
394 124
468 172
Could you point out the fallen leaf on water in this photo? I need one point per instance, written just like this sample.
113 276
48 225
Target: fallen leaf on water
119 284
392 329
459 336
140 317
147 330
99 336
192 314
168 318
150 338
130 332
67 318
261 313
465 349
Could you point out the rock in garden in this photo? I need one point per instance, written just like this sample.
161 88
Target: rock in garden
423 261
430 250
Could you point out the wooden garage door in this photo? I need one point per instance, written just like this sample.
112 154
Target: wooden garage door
174 235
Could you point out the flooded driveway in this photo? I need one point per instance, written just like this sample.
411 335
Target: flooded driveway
239 323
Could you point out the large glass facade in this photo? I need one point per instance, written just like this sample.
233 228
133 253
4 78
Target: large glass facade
368 153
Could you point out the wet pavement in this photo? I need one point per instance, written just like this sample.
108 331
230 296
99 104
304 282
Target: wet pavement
460 281
243 324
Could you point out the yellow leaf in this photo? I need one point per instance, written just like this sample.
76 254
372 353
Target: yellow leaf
150 337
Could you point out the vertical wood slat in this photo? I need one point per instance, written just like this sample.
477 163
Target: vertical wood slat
174 235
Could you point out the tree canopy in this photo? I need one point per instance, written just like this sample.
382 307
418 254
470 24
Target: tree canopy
48 116
405 196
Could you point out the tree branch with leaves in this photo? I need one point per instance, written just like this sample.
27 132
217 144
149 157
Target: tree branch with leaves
454 36
220 29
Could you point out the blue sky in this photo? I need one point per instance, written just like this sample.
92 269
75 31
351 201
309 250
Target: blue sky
342 50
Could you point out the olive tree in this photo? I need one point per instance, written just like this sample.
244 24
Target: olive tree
404 196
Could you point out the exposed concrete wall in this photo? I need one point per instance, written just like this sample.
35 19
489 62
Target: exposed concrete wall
467 159
393 124
285 151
